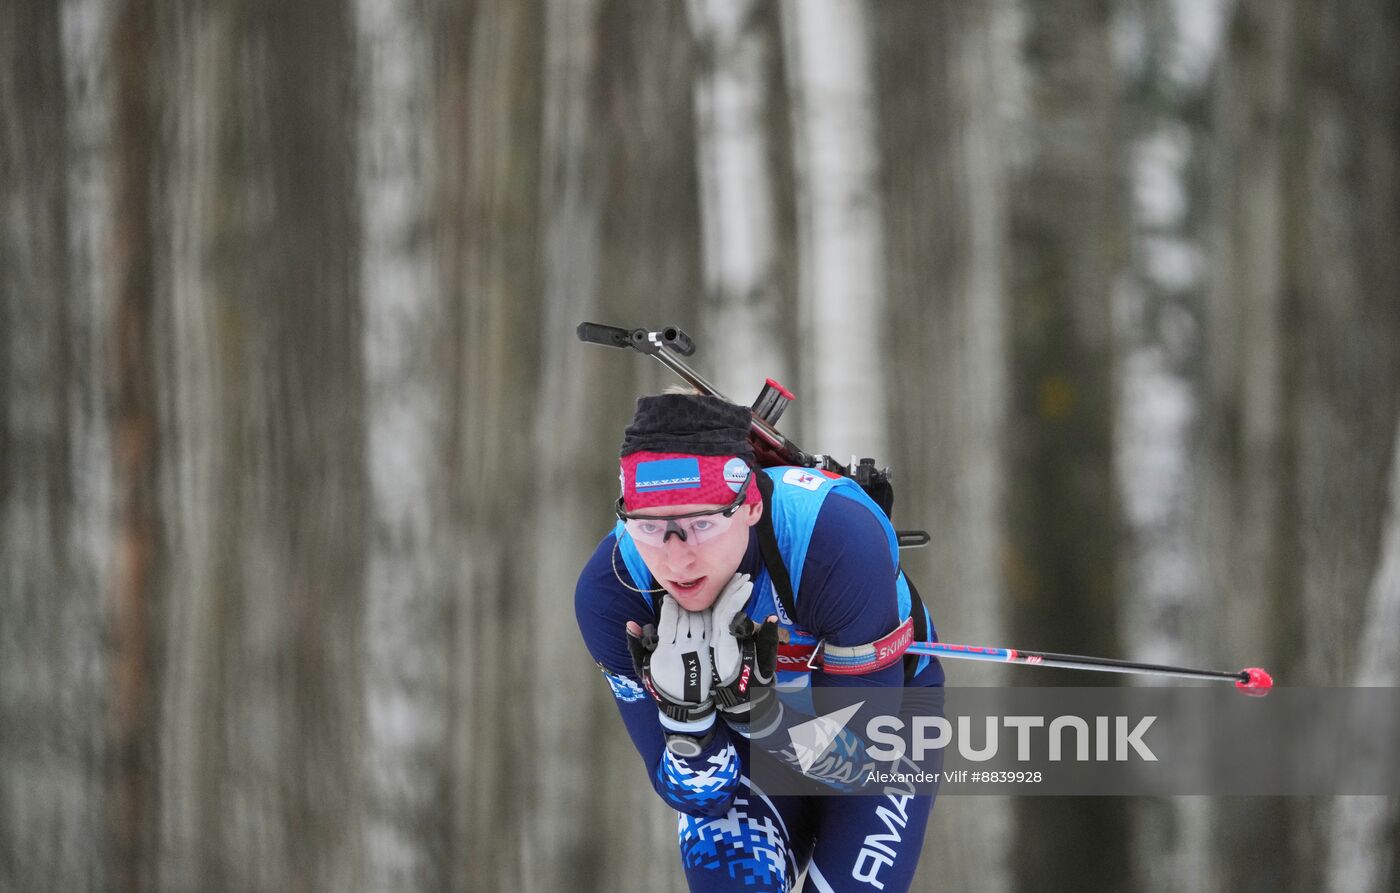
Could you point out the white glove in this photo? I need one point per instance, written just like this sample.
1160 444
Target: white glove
729 658
746 655
673 661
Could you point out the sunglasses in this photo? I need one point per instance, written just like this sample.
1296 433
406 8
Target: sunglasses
695 528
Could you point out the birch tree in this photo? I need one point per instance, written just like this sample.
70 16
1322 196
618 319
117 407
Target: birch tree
408 661
617 156
841 243
571 241
200 389
56 469
738 208
572 250
1169 54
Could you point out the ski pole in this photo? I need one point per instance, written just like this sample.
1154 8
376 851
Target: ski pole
1252 681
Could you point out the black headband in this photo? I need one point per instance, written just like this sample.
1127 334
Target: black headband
688 423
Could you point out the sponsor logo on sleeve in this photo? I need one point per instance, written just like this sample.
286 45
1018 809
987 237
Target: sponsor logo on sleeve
800 477
623 689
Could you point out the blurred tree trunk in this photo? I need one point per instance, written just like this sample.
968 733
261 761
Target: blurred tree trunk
202 363
491 68
1346 275
1067 229
1157 310
407 662
301 503
572 246
942 81
257 290
618 157
1247 498
1363 830
1302 398
840 228
1343 276
1246 329
651 258
56 501
735 97
136 611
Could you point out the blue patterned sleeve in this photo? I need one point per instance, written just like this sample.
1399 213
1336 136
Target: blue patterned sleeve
703 785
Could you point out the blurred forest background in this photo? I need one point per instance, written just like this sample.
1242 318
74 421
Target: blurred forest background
299 457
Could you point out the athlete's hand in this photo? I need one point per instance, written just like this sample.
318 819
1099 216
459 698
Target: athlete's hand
673 661
745 654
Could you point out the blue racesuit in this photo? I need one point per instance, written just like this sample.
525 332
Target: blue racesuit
840 553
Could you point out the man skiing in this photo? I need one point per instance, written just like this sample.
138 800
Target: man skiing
724 595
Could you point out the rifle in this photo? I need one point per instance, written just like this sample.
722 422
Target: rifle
771 448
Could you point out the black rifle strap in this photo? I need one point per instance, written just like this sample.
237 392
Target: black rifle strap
768 548
916 610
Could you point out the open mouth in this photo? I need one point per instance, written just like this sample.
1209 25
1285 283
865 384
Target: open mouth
684 588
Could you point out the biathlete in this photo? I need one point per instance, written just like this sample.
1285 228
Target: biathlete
725 597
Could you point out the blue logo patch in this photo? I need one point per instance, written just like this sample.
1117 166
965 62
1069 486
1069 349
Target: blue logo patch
668 474
736 472
623 689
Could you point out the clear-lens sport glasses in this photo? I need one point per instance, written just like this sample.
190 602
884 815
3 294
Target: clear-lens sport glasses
695 528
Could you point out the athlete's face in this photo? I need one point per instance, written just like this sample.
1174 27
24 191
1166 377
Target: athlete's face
695 574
